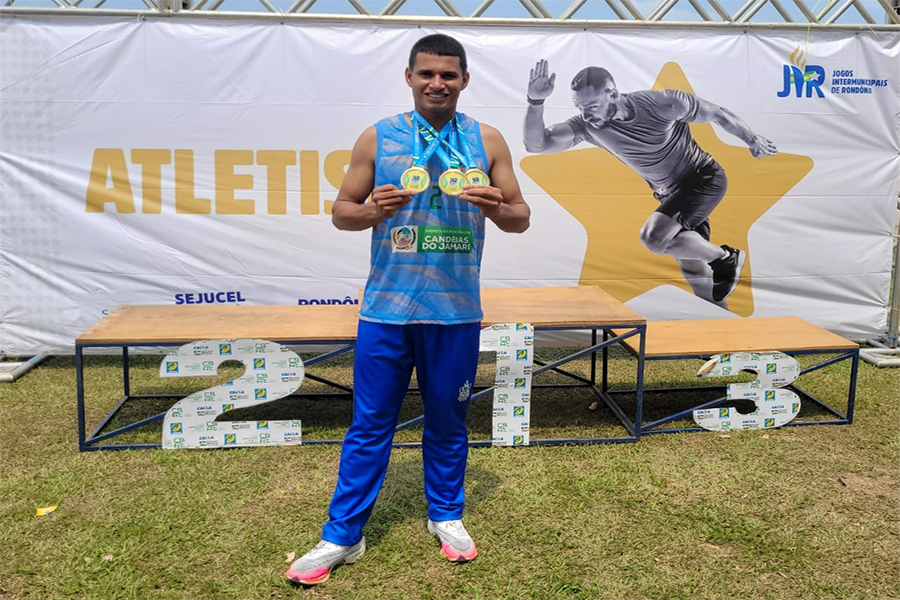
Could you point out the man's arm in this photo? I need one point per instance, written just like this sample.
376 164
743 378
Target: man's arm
733 124
351 212
539 138
502 201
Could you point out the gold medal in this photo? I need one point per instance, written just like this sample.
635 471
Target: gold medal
477 177
452 182
415 178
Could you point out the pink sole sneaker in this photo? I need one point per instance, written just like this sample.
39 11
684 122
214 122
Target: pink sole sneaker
454 555
316 565
456 543
310 578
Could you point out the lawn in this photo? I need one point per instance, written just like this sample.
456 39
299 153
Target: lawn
808 513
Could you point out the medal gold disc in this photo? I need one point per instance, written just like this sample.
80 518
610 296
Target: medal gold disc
477 177
452 182
415 178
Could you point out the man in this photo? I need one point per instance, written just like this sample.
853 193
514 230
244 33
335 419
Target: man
421 306
649 131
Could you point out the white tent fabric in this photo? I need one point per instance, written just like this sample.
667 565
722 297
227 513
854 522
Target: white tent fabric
191 161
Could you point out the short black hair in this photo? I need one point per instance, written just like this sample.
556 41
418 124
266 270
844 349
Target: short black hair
595 77
439 44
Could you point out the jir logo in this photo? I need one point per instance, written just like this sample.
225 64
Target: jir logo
811 78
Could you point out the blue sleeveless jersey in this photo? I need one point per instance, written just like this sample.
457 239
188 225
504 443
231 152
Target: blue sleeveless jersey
426 259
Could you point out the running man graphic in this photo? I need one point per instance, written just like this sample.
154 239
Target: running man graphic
650 132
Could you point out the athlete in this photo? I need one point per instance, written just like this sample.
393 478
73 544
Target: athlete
649 131
421 305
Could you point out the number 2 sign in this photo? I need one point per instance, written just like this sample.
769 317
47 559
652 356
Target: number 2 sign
271 372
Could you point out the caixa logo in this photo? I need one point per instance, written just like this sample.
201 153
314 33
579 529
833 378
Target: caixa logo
801 79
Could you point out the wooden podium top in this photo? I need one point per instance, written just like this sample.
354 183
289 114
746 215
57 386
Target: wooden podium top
167 323
756 334
569 307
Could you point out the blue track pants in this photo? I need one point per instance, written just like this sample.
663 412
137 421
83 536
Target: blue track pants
445 358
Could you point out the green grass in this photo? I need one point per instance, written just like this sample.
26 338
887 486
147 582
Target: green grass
809 513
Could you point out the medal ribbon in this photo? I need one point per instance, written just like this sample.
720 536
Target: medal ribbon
461 143
421 157
436 142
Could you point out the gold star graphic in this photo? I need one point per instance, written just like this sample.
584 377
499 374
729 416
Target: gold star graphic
612 202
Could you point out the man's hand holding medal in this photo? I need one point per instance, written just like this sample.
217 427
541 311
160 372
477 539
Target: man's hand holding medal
486 197
388 199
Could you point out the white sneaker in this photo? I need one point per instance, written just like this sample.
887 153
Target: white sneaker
456 543
315 566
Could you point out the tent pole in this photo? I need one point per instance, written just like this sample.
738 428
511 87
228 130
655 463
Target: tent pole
894 315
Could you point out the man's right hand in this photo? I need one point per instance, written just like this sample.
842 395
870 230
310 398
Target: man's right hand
540 85
388 199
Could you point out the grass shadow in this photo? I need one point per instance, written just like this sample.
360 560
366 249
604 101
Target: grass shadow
402 497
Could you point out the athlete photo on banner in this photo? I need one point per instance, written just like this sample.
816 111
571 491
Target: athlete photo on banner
649 131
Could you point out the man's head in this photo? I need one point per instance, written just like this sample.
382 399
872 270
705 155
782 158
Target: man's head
437 73
439 44
595 95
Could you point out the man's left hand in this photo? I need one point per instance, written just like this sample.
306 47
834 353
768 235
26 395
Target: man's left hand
486 197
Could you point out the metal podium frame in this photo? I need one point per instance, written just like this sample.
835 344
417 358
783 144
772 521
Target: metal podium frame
92 441
87 442
842 352
576 309
623 332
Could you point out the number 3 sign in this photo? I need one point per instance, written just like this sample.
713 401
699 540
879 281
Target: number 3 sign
774 406
271 372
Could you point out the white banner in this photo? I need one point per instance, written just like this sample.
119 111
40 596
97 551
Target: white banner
179 161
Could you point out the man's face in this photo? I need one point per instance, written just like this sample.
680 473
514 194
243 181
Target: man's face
597 104
436 82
